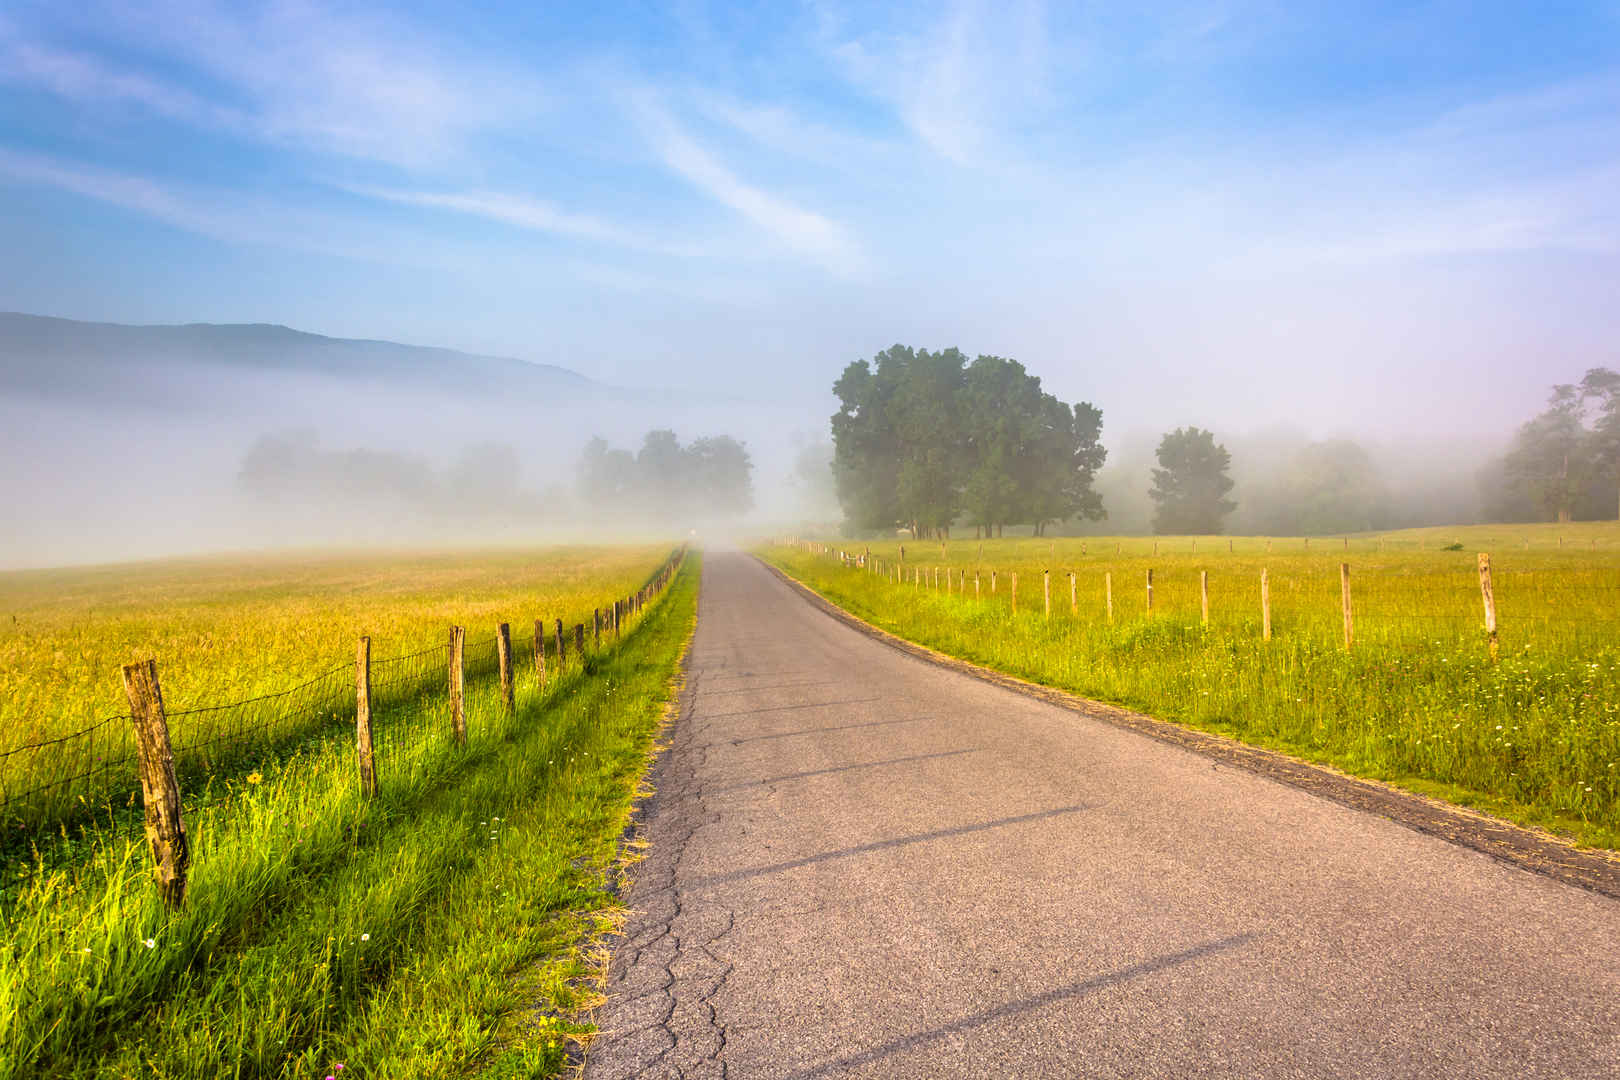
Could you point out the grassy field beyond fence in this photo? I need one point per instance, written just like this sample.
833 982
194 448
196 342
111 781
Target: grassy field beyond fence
1415 699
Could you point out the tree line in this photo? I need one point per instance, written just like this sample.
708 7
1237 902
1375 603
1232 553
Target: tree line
1564 464
708 479
926 441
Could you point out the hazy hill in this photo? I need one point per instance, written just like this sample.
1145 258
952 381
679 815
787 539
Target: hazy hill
66 359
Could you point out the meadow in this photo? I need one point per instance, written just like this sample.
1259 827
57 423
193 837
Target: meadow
278 630
1415 700
443 927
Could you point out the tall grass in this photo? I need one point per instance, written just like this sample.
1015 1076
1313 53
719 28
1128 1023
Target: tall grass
1416 700
275 632
396 935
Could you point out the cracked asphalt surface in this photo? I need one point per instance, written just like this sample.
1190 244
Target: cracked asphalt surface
862 864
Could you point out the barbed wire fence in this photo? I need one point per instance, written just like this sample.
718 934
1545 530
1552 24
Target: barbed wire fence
134 765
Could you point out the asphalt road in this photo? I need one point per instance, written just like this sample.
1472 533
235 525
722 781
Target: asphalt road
862 864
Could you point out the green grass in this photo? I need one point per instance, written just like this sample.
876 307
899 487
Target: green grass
1416 700
412 935
250 629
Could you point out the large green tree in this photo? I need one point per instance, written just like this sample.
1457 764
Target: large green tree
1564 463
1191 483
895 439
922 439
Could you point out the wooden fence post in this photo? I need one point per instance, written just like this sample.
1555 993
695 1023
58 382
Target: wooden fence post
160 791
1046 592
1150 591
1015 592
579 640
362 718
540 653
596 633
1108 593
562 648
1203 593
458 715
992 583
1344 589
1265 606
503 653
1489 596
1074 603
975 585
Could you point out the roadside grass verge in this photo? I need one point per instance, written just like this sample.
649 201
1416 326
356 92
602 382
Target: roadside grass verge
1534 737
398 937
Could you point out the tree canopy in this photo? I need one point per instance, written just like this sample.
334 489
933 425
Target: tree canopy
708 479
1191 483
1564 464
922 440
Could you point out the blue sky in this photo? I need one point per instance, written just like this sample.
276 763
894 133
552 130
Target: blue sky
1366 217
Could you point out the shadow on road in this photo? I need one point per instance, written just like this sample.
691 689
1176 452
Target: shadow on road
819 730
1013 1008
881 845
836 769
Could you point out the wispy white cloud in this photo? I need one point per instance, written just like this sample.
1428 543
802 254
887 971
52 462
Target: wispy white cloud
87 80
341 82
805 232
226 216
957 82
532 214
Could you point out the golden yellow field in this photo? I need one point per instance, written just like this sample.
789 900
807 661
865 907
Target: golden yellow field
227 629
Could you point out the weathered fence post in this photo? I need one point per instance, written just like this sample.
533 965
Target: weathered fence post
503 653
975 585
1150 591
596 633
160 791
1203 593
1108 592
1046 591
458 715
562 648
1265 605
540 653
1489 597
1344 589
362 717
1074 603
1015 592
579 640
992 583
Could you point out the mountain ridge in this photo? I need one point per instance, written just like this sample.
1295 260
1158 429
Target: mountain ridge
55 357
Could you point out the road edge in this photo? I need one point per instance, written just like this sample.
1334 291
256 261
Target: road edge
1527 849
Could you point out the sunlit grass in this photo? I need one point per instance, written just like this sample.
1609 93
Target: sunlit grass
230 628
1415 700
398 936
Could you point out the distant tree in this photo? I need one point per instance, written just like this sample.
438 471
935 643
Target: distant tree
484 477
719 476
1191 483
666 482
1320 487
606 477
1602 388
812 479
662 475
292 465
